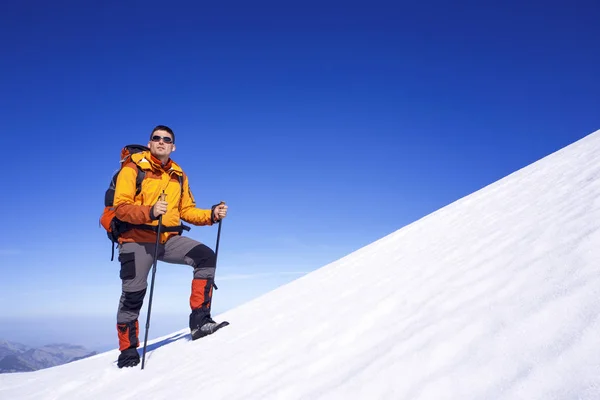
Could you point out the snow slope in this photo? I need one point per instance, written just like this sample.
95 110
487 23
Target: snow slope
496 296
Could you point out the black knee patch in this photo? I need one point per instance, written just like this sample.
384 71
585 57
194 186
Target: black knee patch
127 265
202 256
132 301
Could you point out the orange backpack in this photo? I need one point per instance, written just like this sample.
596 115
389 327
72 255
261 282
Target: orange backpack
113 226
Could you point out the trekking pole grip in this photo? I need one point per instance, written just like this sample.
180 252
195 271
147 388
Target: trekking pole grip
218 237
161 197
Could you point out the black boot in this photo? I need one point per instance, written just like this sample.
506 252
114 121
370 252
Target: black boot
201 324
128 358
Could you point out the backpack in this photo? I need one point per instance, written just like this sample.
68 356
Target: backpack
115 227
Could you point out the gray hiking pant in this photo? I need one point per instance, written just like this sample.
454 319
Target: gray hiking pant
136 263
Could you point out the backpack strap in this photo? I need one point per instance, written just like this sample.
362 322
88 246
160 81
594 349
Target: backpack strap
179 228
141 174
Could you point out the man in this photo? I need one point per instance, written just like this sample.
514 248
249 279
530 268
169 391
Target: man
137 245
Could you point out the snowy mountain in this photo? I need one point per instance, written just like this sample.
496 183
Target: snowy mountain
17 357
495 296
8 348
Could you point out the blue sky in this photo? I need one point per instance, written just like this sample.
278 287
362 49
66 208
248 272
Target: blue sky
323 126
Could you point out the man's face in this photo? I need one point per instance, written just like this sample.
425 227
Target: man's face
161 144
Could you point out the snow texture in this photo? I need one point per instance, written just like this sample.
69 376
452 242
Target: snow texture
495 296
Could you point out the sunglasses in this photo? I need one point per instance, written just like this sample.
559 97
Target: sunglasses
165 139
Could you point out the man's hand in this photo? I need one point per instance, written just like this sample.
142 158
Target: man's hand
159 208
220 211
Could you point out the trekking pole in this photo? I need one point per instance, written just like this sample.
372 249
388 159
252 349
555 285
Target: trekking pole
160 198
217 245
218 237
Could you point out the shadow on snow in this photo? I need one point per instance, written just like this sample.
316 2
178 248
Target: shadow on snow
164 342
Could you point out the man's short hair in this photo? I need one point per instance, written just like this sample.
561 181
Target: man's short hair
163 128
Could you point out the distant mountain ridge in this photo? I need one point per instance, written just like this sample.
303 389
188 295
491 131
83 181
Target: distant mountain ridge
17 357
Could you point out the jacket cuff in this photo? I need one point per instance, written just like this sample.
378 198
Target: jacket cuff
212 213
152 216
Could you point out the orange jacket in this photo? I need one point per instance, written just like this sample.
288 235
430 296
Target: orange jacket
135 209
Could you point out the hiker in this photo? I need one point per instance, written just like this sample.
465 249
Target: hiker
137 244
